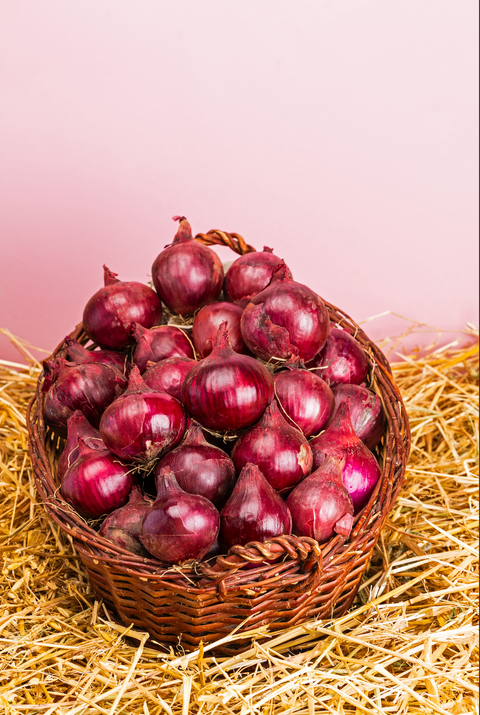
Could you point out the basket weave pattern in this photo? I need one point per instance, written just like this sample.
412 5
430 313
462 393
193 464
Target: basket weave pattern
279 583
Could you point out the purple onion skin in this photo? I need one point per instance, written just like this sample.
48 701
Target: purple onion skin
254 512
77 427
320 502
186 274
305 399
201 468
165 341
342 360
366 412
250 274
360 470
122 526
207 322
109 314
80 355
179 526
97 483
89 388
285 319
227 391
280 451
142 425
168 375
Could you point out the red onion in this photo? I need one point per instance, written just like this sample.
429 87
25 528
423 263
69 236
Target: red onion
89 388
280 451
201 468
122 526
227 391
306 399
250 274
254 512
320 505
179 526
160 343
360 471
51 370
97 483
110 313
342 359
207 322
168 375
142 424
80 355
186 274
285 319
77 427
366 412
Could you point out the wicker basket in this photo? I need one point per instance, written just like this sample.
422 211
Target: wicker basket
204 602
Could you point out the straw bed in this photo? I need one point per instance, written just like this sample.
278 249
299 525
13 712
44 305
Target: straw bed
407 645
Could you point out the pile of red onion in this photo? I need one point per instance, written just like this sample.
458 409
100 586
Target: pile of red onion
213 409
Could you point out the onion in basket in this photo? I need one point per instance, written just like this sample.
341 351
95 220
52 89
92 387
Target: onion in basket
97 483
254 512
179 526
342 360
280 451
110 313
360 470
201 468
227 391
122 526
164 341
89 388
304 397
320 505
285 319
143 424
187 275
250 274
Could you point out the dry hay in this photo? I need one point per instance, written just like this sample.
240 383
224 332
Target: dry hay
408 645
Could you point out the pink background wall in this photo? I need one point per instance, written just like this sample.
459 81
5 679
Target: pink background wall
341 132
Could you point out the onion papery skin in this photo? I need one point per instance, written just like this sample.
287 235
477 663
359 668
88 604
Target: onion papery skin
110 313
285 319
77 427
97 483
305 399
250 274
366 412
280 451
142 424
122 526
186 274
179 526
227 392
207 322
342 360
168 375
201 468
360 470
320 502
159 343
89 388
254 511
80 355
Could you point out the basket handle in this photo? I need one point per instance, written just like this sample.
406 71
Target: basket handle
221 238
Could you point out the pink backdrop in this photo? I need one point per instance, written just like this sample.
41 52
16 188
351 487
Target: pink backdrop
343 134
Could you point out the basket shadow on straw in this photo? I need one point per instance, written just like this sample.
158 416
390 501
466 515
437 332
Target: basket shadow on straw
276 584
